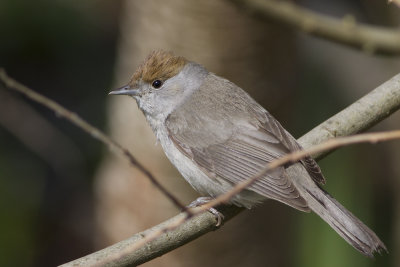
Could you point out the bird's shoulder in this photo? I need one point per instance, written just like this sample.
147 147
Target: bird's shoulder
212 113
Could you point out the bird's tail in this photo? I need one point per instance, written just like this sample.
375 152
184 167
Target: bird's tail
338 217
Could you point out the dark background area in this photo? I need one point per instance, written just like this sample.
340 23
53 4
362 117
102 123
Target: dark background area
64 50
67 51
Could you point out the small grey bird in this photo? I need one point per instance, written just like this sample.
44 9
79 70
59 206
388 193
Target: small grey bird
216 135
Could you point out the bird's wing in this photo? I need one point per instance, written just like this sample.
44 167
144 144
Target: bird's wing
240 157
271 125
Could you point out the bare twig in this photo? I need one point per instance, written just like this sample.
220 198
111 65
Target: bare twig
94 132
359 116
296 156
17 117
345 31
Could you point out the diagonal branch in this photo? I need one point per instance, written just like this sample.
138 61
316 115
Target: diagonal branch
179 230
134 251
346 31
94 132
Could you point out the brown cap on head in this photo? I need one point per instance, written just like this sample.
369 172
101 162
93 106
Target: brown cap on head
158 65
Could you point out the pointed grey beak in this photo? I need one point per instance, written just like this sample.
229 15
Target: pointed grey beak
125 90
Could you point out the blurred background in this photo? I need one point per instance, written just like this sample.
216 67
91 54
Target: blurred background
63 195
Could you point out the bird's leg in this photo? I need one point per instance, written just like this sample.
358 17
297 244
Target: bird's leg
204 200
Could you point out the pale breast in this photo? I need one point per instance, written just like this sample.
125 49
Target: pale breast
206 186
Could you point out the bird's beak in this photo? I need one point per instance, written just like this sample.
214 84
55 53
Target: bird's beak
125 90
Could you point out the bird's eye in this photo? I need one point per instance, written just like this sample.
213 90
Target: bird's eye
156 84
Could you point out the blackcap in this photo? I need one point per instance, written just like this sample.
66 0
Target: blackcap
216 135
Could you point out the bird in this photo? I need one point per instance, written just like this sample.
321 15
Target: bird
217 135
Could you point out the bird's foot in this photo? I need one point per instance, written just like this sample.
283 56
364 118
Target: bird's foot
204 200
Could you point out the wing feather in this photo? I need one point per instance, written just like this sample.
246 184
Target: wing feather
230 136
236 160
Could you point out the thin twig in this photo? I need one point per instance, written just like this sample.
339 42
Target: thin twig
346 31
296 156
86 127
366 112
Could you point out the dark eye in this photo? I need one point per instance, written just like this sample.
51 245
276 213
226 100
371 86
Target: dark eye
156 84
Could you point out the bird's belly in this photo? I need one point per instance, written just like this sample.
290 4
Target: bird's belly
200 181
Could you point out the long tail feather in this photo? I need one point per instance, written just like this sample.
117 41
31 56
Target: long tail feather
355 232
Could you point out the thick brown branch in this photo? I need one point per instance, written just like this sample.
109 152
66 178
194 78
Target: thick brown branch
94 132
345 31
359 116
